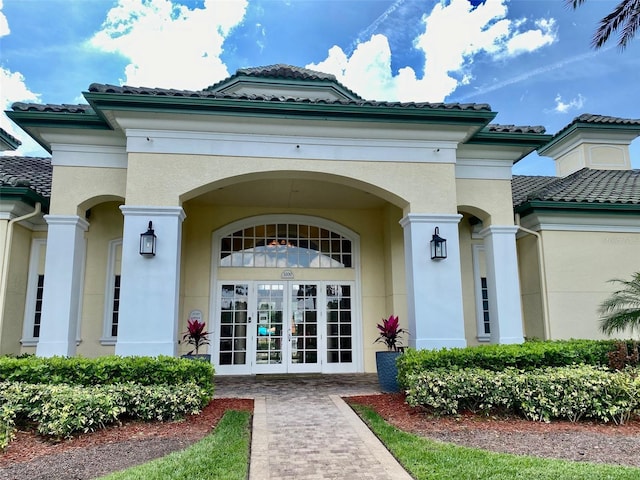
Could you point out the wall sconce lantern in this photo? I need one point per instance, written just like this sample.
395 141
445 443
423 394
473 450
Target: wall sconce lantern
438 246
148 242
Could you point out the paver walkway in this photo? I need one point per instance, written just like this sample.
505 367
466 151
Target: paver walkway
303 430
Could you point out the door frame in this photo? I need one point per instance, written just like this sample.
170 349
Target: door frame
287 366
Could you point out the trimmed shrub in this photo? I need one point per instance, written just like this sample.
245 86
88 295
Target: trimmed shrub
107 371
7 425
571 393
63 410
526 356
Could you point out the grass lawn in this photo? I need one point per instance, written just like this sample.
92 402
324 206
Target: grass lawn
428 459
223 455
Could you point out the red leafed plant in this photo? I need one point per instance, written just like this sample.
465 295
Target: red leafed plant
196 335
390 333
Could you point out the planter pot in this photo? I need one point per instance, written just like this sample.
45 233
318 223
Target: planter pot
388 371
203 357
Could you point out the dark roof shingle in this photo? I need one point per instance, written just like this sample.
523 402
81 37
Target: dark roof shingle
31 172
584 186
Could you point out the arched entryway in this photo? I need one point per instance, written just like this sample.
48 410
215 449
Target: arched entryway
286 296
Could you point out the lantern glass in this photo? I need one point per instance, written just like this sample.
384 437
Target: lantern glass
148 242
438 246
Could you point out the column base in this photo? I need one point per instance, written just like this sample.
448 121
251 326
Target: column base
508 340
146 349
55 349
438 343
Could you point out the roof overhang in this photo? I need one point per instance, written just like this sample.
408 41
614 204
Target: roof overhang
545 206
24 195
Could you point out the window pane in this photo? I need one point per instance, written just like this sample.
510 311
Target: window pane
286 245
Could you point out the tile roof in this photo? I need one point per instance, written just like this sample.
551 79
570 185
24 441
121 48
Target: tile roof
591 120
64 108
31 172
282 71
514 128
8 141
584 186
105 88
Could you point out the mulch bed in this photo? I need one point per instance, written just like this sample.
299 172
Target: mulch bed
87 456
32 457
580 441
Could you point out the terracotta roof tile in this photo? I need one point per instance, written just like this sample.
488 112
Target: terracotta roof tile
584 186
31 172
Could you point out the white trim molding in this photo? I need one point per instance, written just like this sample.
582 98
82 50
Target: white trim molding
105 156
107 337
290 146
28 340
477 254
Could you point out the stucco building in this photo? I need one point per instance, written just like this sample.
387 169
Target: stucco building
291 215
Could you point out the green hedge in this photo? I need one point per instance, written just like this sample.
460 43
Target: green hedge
107 371
524 356
63 410
570 393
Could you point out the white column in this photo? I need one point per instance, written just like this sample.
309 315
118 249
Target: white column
63 279
434 287
148 317
503 284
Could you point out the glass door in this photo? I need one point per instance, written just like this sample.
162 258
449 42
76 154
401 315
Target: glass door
284 327
304 354
232 349
270 329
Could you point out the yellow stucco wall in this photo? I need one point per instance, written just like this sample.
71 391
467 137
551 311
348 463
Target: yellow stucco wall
173 178
578 266
75 189
489 200
16 289
105 225
529 267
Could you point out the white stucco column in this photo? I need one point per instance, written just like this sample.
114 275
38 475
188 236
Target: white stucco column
434 287
503 284
148 317
63 279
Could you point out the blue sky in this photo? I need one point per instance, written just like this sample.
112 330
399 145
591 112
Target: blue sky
530 60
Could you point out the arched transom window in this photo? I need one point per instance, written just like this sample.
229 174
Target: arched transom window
286 245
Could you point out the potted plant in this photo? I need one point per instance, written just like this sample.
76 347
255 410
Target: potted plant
389 334
198 337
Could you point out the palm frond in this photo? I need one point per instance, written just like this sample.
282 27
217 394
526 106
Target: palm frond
621 310
625 15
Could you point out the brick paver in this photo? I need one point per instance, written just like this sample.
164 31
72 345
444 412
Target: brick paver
303 430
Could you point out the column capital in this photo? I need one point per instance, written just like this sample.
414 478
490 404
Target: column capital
141 211
73 220
499 229
430 218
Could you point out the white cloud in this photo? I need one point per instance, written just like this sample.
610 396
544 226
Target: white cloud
14 89
454 34
574 104
4 25
170 45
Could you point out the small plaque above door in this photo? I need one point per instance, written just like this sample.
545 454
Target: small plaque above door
287 275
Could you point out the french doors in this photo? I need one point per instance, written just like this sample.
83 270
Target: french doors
284 327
